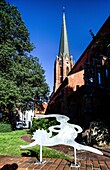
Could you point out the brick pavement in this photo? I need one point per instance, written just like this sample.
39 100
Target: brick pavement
88 161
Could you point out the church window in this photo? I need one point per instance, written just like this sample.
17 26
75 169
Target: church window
61 79
61 71
99 78
106 72
60 62
67 70
61 74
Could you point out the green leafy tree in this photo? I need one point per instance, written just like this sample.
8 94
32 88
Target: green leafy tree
22 78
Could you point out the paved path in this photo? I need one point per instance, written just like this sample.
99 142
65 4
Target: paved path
88 161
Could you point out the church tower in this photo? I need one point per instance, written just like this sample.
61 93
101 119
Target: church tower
63 62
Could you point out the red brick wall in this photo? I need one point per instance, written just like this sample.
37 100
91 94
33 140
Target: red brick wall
76 79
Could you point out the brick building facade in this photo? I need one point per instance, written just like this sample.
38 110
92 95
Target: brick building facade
84 93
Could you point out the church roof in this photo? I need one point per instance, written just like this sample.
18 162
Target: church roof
64 45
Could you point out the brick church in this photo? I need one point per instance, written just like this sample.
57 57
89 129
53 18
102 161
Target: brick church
64 61
82 90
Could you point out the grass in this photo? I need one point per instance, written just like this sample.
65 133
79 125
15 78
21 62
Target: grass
10 146
10 143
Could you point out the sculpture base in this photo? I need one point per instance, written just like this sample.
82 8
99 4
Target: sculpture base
77 165
38 162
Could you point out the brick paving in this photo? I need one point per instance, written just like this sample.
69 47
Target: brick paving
87 160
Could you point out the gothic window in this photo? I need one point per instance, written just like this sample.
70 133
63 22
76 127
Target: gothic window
99 78
106 72
67 70
60 79
60 62
61 71
61 74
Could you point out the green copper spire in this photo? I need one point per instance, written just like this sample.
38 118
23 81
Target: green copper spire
64 46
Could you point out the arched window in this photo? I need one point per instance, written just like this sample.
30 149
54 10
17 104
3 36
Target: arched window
60 62
61 79
61 71
61 74
106 72
67 70
99 78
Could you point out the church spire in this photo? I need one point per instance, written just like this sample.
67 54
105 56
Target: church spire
63 62
64 46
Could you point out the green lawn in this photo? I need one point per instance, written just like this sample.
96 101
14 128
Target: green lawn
10 146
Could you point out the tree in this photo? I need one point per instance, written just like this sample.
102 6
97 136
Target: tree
22 77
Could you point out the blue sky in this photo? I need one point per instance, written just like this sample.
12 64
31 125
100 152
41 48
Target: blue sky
43 19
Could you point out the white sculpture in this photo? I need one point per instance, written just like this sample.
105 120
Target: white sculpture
66 135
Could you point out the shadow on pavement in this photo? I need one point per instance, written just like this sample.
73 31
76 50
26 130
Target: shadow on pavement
31 153
13 166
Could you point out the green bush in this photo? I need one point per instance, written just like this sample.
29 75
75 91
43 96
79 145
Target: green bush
5 127
42 123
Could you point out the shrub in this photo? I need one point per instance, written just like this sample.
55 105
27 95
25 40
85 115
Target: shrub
42 123
5 127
